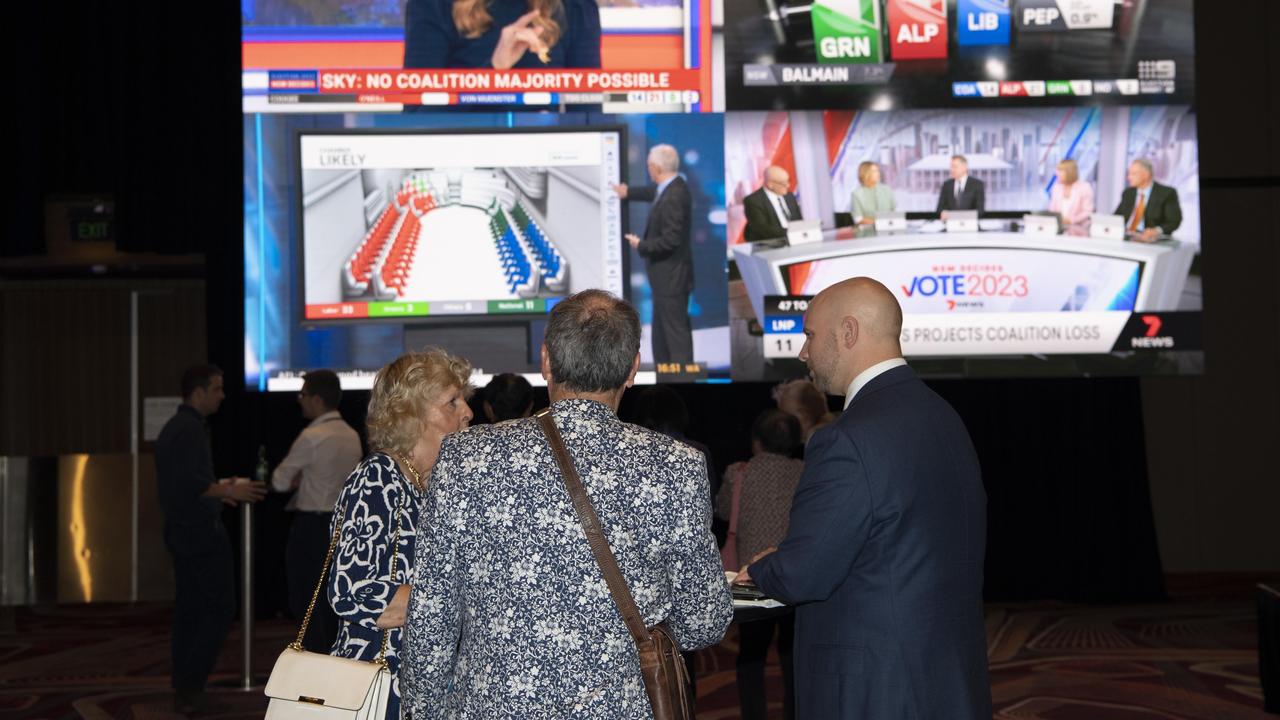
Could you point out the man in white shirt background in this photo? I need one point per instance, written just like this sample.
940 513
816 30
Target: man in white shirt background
771 208
317 465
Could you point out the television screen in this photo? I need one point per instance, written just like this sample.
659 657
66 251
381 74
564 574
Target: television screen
388 55
367 235
1022 174
1040 252
896 54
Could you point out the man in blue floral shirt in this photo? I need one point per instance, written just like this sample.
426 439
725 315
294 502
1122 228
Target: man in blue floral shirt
509 616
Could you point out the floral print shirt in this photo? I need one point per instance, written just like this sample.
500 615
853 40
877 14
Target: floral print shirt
509 615
361 581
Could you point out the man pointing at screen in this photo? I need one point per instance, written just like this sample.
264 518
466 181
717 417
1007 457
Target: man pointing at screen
884 549
668 256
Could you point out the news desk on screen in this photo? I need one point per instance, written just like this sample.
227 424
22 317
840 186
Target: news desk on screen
996 271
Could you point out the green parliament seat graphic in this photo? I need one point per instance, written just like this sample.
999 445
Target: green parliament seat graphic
847 31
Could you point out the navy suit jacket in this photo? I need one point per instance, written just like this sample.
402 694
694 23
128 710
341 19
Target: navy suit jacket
883 559
667 246
972 197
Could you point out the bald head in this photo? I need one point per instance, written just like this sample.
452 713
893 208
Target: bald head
873 304
849 327
777 180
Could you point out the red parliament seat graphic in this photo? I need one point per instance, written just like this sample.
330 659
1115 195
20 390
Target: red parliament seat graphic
917 29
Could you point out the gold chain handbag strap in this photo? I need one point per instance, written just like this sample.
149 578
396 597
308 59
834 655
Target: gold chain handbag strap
328 562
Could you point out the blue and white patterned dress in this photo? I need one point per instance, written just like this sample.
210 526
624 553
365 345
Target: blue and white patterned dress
361 583
510 616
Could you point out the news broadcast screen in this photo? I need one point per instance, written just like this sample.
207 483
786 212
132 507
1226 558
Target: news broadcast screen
369 235
389 55
894 54
1058 240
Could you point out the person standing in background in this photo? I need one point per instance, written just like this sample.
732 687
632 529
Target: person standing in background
507 397
1071 198
756 499
191 499
770 208
803 400
668 253
885 544
871 197
315 468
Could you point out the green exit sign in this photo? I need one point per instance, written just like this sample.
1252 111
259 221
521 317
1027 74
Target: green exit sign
92 224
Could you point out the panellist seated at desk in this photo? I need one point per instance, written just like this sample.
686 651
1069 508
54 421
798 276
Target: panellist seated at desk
770 208
961 192
1071 198
1149 208
871 197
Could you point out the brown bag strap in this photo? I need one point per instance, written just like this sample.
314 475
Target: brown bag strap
595 536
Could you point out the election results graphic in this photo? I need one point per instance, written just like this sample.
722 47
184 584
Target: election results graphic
918 29
847 31
982 22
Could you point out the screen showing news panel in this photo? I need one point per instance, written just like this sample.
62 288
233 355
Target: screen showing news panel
1022 174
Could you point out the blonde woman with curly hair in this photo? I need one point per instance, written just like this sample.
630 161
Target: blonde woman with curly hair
417 399
502 34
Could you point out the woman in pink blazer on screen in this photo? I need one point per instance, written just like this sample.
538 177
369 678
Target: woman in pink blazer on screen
1071 197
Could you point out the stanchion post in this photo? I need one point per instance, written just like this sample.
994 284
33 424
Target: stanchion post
246 595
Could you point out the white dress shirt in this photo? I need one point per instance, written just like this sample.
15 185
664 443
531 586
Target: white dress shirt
959 187
868 375
779 204
324 455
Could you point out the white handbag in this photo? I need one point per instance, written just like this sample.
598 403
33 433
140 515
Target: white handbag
315 686
323 687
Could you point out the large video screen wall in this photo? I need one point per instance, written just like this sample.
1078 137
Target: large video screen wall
1023 174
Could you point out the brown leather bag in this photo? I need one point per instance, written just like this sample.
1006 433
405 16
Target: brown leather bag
666 679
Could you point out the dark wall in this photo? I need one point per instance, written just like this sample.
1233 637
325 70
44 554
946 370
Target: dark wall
141 100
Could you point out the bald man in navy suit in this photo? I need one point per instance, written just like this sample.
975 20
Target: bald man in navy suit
884 549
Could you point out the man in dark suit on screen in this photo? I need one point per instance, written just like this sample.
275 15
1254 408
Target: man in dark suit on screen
1149 209
961 192
770 208
884 548
667 253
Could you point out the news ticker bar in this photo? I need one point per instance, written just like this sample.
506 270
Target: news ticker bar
802 75
1032 333
1062 88
532 99
423 308
438 87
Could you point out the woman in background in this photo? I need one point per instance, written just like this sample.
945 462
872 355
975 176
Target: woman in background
756 500
502 34
417 400
871 198
1071 197
805 402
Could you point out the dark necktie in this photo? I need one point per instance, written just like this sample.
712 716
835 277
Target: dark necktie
782 205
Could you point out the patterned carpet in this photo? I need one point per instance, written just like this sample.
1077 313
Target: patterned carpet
1187 659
